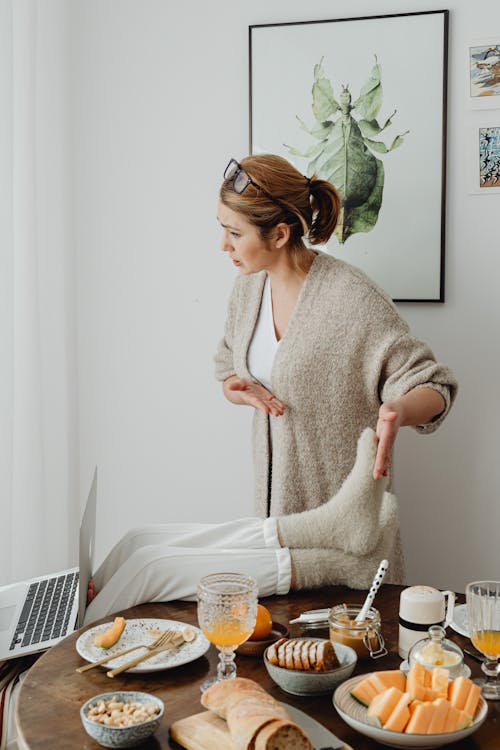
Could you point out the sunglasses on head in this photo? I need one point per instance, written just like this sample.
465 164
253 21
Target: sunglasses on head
241 180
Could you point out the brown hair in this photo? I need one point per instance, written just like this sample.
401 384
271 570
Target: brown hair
308 205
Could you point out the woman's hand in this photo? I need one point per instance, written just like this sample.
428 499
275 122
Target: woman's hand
241 391
388 424
417 406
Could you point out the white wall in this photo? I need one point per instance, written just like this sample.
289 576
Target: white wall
160 103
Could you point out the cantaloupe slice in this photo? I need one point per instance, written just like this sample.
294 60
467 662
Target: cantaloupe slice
472 700
427 679
393 678
112 635
368 688
383 705
456 720
415 681
420 719
464 720
439 681
438 718
400 715
429 694
459 691
364 692
413 705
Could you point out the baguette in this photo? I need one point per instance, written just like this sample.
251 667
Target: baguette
255 720
223 694
247 717
303 654
282 735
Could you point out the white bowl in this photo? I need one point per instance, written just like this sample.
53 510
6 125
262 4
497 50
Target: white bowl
354 714
121 737
301 682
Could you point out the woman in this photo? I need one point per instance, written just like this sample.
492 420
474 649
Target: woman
304 550
311 343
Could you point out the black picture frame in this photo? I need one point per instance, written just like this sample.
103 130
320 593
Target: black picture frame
404 250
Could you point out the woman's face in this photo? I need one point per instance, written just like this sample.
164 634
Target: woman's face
242 240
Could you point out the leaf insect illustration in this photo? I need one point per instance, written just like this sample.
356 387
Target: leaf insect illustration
343 154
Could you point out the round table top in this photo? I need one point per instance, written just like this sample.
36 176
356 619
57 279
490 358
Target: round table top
49 701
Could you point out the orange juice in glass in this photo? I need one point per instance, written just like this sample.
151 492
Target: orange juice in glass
227 633
483 615
487 642
227 611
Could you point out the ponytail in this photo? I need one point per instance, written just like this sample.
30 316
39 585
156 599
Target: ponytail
326 206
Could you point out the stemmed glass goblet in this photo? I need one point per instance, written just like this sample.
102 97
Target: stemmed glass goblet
483 615
227 611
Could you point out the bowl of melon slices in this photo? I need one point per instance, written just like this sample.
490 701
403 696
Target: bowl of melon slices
420 709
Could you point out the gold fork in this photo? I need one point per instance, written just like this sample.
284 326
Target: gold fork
157 643
175 640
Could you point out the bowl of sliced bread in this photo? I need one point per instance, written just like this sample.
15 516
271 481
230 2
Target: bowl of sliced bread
309 666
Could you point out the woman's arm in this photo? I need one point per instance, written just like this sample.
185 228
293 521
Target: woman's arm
418 406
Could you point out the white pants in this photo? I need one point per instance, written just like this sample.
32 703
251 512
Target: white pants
163 562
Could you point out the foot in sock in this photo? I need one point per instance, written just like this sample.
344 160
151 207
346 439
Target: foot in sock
350 520
313 568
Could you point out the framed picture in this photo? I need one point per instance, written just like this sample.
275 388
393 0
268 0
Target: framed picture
483 74
485 164
361 102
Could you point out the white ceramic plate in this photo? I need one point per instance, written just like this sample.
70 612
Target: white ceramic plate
354 714
459 622
137 631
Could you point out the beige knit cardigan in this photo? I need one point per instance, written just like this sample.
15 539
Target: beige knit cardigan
345 350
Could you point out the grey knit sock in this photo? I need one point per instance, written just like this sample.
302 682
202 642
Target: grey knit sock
330 567
350 520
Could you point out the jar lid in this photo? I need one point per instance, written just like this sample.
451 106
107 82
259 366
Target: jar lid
344 616
424 605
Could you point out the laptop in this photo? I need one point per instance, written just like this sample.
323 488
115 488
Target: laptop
38 613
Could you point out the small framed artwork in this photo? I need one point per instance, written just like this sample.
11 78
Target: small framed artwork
485 164
361 102
483 74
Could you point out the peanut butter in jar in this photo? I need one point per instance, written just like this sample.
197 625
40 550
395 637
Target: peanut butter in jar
364 637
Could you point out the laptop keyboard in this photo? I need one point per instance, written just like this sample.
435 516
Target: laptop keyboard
46 611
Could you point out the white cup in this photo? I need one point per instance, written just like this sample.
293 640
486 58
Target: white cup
419 608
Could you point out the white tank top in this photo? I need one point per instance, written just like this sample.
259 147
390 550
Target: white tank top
264 344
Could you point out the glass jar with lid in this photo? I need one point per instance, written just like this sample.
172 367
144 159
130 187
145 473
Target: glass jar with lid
437 651
364 637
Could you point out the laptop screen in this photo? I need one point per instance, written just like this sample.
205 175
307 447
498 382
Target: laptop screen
87 545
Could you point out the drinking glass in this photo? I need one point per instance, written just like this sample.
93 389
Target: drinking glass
483 615
227 612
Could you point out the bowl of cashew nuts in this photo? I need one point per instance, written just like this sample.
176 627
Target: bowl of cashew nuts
121 719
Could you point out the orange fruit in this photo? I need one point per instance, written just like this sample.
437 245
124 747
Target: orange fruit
263 624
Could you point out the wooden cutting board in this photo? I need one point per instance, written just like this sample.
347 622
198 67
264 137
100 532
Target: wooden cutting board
206 731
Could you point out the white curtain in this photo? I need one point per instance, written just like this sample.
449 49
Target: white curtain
38 420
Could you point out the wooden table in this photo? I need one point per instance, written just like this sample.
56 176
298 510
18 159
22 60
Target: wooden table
52 693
